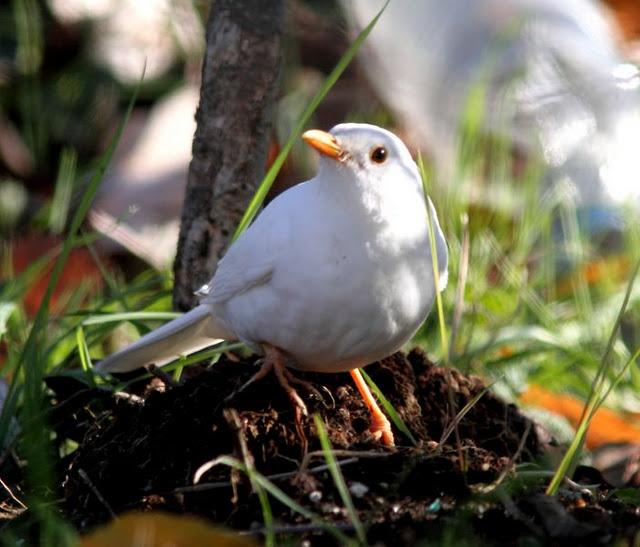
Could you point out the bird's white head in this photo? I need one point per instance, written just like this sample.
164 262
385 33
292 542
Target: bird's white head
367 154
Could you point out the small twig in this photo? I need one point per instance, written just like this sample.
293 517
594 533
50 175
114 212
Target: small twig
297 529
202 487
96 492
13 496
455 421
577 486
453 425
348 453
233 420
236 426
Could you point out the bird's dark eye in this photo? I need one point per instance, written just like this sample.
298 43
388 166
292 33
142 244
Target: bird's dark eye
378 154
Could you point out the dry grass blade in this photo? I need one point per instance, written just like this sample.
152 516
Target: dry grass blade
233 419
453 424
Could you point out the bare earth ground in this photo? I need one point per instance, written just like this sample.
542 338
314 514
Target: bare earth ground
142 453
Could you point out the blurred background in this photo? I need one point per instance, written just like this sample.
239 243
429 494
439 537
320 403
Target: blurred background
555 82
526 113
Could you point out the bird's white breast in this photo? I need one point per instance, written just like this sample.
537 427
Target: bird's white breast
347 288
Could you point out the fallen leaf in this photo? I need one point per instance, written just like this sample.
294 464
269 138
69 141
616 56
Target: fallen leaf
80 268
162 530
606 427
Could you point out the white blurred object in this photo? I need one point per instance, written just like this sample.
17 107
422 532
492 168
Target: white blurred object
140 200
555 85
134 34
73 11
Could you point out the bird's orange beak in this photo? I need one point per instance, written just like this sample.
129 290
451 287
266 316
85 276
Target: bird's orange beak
323 142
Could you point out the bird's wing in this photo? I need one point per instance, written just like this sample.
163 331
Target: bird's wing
251 259
235 276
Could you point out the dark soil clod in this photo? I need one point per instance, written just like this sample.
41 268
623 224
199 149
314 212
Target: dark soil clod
144 456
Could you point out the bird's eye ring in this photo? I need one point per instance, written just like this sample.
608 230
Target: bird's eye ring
378 154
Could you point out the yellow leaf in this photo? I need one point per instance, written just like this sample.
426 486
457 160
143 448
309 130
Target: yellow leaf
162 530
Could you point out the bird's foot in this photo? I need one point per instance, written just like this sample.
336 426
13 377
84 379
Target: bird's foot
308 386
285 378
381 429
275 360
380 425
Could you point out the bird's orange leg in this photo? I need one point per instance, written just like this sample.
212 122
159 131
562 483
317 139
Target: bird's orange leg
275 360
380 426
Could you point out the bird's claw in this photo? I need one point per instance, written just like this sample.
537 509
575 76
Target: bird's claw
308 386
381 430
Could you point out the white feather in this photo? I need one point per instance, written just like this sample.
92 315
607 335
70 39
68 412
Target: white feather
193 331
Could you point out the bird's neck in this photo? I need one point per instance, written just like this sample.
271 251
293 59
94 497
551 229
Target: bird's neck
380 204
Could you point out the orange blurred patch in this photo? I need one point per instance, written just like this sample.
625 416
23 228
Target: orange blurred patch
162 530
606 427
627 14
612 268
505 352
80 268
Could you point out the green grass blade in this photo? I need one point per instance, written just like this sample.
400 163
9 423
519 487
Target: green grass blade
100 319
29 27
618 378
434 261
108 278
267 513
29 34
265 506
575 246
83 352
389 408
7 309
63 191
509 272
595 399
286 500
193 359
338 479
29 379
269 178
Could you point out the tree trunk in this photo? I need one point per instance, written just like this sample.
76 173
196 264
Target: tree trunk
240 76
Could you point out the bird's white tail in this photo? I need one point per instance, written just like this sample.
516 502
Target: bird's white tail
193 331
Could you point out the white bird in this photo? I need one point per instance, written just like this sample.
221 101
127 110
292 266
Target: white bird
550 76
334 274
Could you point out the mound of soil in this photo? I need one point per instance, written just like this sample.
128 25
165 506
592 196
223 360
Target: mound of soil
142 452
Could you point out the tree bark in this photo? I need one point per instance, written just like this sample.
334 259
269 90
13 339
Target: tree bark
240 76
